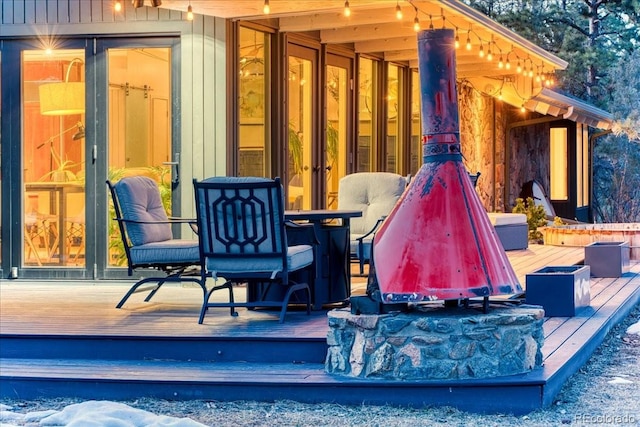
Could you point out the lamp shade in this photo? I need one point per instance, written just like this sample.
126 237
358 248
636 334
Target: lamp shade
61 99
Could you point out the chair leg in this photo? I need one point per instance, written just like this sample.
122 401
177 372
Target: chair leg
361 261
134 288
285 302
205 305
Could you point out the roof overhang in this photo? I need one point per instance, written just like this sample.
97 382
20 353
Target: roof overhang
374 29
569 108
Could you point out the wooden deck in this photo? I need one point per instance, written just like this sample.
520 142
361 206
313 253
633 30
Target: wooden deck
66 338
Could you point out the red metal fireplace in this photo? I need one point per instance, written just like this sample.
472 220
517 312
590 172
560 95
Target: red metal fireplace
438 242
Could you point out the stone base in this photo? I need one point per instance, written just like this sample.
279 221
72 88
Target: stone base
435 343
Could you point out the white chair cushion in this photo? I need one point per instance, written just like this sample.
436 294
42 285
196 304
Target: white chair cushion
499 218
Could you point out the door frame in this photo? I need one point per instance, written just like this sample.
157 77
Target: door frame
13 160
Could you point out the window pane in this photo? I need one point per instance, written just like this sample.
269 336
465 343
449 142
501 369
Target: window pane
366 115
53 106
253 103
558 152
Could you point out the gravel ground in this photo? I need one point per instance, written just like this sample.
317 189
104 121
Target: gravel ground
606 391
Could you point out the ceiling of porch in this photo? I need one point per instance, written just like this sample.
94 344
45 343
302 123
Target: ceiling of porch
374 28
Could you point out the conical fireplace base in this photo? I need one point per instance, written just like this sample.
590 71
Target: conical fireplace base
438 242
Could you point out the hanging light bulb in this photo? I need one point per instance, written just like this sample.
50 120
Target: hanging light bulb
522 109
398 10
519 67
189 12
347 9
500 95
457 40
481 51
266 9
507 64
500 63
469 40
489 54
117 6
416 22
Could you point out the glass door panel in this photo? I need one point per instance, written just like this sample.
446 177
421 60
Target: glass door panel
53 152
254 143
139 124
300 157
337 87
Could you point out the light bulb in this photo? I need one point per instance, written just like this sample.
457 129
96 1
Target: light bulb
117 6
189 13
500 63
522 109
266 9
416 24
398 11
507 64
347 9
481 52
457 41
519 67
489 55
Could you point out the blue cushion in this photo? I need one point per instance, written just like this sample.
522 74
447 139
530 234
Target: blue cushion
139 199
298 256
167 252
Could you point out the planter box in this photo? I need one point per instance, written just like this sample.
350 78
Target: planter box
560 290
607 259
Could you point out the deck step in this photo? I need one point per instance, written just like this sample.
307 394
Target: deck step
228 381
202 349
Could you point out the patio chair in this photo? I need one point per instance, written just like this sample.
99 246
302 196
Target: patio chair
375 194
148 239
243 240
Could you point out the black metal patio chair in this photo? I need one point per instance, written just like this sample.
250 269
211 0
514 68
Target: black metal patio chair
148 239
243 239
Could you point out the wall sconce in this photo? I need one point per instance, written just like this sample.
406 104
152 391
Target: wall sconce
62 99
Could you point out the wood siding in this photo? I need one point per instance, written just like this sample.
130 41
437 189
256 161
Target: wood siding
202 90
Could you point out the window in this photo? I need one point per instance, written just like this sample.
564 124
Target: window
558 164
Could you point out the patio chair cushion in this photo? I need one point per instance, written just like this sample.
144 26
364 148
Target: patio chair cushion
176 251
140 199
298 256
373 193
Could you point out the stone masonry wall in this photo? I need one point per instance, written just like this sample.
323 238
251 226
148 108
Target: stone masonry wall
435 343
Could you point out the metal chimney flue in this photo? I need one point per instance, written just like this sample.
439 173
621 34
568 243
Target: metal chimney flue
438 242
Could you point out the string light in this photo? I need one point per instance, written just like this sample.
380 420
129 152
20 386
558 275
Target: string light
469 40
481 51
500 63
430 23
416 22
398 10
347 9
519 67
457 40
117 6
522 109
190 12
266 9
